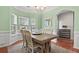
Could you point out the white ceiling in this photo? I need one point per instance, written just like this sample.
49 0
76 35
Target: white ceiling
32 9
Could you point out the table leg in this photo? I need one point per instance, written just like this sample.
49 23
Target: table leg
48 47
43 48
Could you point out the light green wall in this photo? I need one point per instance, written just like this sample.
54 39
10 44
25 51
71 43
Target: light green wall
32 15
54 12
5 14
4 18
40 18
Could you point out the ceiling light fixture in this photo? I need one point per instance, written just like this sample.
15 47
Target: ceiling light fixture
40 7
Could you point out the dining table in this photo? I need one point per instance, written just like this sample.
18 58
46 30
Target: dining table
44 40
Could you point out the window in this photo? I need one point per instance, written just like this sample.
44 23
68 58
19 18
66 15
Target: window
33 25
13 23
47 26
28 23
19 22
47 22
23 22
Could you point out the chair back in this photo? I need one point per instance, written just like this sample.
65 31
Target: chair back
23 34
29 39
47 31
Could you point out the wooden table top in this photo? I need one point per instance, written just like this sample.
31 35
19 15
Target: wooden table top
43 38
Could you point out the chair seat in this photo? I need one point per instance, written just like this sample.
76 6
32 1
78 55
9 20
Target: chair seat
36 47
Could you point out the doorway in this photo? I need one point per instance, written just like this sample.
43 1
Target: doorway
66 24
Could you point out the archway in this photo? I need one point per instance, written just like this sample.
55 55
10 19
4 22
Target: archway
66 24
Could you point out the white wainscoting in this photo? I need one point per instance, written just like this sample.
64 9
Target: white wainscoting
4 38
14 38
7 39
76 40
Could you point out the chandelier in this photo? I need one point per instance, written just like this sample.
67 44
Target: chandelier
40 7
37 7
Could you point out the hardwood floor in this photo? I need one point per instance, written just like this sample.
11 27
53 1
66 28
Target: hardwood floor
4 50
66 43
62 42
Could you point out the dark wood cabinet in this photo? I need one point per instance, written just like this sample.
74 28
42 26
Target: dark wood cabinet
64 33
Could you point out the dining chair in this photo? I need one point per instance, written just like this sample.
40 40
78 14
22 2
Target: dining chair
50 31
24 38
47 31
31 45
